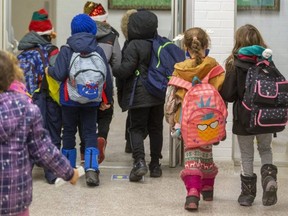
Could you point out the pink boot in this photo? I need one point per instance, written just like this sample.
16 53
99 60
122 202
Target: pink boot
207 189
193 186
208 185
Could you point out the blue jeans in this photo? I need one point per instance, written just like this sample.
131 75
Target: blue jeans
71 116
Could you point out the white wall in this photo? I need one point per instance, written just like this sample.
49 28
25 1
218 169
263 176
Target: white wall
217 17
273 27
67 9
22 13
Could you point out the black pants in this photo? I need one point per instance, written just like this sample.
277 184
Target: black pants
104 119
142 121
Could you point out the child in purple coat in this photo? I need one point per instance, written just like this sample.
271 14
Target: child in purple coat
23 141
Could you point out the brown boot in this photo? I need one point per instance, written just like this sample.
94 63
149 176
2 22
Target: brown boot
101 146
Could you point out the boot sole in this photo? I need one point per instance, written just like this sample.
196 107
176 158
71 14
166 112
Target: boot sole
192 203
207 195
270 194
141 172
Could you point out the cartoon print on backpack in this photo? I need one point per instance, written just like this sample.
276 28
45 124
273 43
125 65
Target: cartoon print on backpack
86 77
33 61
204 113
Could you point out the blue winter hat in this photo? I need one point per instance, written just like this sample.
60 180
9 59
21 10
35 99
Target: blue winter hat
83 23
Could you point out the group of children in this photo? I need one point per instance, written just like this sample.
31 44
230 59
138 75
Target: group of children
31 143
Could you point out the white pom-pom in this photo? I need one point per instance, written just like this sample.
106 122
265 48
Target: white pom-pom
267 53
178 37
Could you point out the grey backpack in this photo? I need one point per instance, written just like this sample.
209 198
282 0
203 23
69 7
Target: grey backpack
87 75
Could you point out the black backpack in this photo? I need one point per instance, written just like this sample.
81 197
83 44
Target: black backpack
265 99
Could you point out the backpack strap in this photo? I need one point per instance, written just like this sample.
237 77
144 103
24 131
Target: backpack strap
215 71
179 82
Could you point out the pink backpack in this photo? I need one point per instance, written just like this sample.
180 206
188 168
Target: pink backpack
204 113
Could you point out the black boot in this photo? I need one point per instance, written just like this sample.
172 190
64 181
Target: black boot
155 170
139 169
92 178
269 184
248 190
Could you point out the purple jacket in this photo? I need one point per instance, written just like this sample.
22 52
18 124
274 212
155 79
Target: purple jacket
23 140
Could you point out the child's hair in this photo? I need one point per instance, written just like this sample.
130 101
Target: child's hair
7 71
196 40
19 75
246 35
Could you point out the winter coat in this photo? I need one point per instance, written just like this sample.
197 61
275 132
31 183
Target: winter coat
79 42
24 141
233 90
32 40
142 25
186 71
107 38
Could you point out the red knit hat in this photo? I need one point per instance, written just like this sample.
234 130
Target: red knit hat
95 11
40 23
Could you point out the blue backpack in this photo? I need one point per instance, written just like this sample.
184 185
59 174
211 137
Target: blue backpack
33 62
164 55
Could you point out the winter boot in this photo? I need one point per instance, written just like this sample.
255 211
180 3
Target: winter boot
208 179
70 154
91 166
139 169
193 187
207 188
248 190
101 146
269 184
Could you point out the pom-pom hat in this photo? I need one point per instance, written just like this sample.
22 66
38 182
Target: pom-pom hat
40 23
95 11
83 23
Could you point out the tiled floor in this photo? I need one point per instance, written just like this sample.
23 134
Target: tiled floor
162 196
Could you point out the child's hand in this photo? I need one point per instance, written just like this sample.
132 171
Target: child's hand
104 106
46 70
75 177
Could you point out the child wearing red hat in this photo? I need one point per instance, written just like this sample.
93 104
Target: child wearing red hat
37 53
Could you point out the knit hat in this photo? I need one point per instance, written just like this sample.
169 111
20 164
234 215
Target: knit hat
83 23
95 11
40 23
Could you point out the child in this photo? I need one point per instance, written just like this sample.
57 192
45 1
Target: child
145 110
107 38
38 42
17 149
83 40
237 65
200 171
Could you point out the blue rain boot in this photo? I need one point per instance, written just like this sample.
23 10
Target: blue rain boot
71 155
91 166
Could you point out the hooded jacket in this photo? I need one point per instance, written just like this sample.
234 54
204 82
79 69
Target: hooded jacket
23 140
107 38
142 25
32 40
79 42
186 71
233 89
